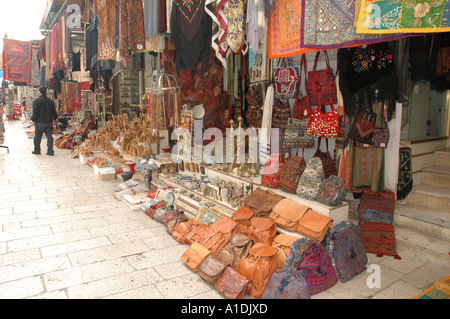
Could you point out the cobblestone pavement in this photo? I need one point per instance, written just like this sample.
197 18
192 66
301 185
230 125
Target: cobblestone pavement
64 235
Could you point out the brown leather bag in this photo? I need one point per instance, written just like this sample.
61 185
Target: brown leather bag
262 201
195 255
262 230
235 250
232 284
243 216
314 225
173 223
283 243
189 232
288 213
211 268
258 267
217 236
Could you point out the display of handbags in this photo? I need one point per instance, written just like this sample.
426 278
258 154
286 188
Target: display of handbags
285 79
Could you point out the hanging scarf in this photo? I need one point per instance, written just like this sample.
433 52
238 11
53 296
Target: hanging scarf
131 29
235 25
106 12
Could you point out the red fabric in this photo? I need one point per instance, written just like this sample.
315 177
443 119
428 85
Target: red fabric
17 56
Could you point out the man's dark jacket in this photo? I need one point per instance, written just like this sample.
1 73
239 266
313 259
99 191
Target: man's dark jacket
44 110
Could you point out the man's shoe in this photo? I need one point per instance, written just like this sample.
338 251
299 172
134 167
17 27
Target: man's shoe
36 153
50 154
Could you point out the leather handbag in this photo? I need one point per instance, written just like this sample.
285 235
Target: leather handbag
242 216
195 255
262 201
232 284
283 243
302 105
235 250
332 191
321 86
189 232
258 267
287 284
281 114
363 127
270 175
262 230
173 223
296 135
317 268
211 268
217 236
285 79
291 171
328 165
314 225
312 177
288 213
324 124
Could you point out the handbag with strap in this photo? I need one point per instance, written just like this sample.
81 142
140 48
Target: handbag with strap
332 191
312 177
189 232
291 171
271 172
288 213
282 243
258 267
302 104
235 250
217 236
232 284
262 230
262 201
242 216
286 79
321 86
296 134
211 268
364 127
195 255
324 124
281 114
314 225
328 164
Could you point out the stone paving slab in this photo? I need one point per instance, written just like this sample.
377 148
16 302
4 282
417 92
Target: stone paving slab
64 236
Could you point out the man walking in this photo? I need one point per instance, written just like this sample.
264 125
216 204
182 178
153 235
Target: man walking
44 116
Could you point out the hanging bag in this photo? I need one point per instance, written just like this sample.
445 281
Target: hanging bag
364 127
302 104
329 166
281 114
324 124
321 84
270 176
296 135
291 172
286 79
310 181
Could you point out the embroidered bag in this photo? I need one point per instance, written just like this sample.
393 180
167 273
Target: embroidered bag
347 250
285 79
296 135
317 269
310 181
332 191
270 176
281 114
321 84
287 284
363 127
381 137
324 124
291 172
329 166
302 104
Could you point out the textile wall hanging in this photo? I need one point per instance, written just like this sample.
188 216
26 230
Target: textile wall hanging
106 12
412 16
285 29
329 24
17 57
131 29
217 10
236 25
35 70
405 180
